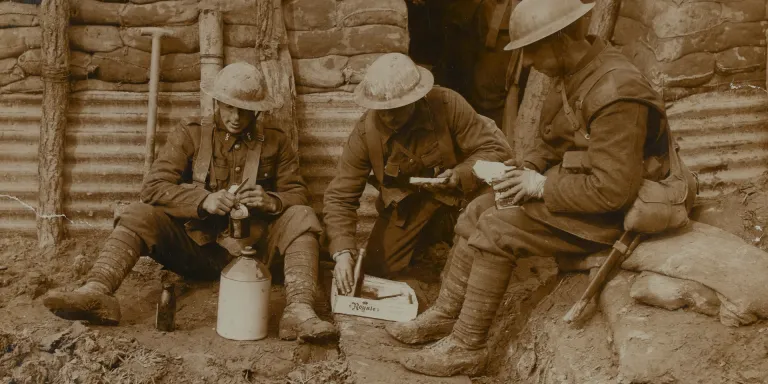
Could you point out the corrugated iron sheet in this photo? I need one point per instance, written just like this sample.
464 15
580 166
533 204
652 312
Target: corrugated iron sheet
325 120
723 136
104 152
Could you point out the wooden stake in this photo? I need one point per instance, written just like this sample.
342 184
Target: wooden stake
54 21
278 70
604 17
527 124
211 54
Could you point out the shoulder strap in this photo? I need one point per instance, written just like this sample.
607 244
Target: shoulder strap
253 157
203 162
375 151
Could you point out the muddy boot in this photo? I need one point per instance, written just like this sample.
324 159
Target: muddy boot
437 321
94 302
299 318
464 351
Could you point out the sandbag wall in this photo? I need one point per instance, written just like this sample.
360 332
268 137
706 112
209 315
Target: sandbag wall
690 47
332 42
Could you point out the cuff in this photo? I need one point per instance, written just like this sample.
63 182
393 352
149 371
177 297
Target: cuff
467 179
539 165
280 205
200 213
341 244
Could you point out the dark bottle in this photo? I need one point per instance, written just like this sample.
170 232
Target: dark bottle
166 309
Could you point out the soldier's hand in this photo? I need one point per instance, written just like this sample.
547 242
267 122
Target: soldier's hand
254 196
219 203
344 272
451 184
523 184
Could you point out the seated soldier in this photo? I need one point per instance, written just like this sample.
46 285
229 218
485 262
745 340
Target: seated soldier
182 220
603 130
412 129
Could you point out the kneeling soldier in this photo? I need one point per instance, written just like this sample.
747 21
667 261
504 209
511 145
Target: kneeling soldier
411 129
182 220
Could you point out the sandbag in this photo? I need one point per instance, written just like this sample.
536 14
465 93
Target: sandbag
185 39
347 41
182 12
241 36
357 66
15 41
32 84
94 12
80 64
98 85
18 15
308 15
94 38
671 293
180 67
234 55
124 65
9 71
716 259
368 12
324 72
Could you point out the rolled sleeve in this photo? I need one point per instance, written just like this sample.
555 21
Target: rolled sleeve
616 155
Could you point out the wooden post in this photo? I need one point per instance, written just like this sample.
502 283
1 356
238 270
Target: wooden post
527 124
278 70
211 54
603 20
54 20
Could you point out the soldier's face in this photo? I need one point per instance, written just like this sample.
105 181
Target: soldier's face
543 57
234 119
397 117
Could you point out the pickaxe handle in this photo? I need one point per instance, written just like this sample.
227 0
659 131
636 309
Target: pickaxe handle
154 79
624 246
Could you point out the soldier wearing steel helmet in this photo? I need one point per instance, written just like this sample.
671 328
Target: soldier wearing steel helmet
411 129
181 221
603 130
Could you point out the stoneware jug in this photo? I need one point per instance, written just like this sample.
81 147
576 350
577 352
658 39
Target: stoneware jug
244 298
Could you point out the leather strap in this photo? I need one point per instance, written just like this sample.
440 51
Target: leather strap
495 24
202 164
375 150
253 157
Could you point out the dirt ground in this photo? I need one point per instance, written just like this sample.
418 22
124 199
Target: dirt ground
37 347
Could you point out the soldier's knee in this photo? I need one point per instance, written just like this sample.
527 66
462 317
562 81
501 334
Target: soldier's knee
472 213
138 215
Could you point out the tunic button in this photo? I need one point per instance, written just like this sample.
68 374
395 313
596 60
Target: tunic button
237 169
237 146
410 161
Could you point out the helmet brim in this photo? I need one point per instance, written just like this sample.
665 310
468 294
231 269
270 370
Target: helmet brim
550 28
426 82
269 102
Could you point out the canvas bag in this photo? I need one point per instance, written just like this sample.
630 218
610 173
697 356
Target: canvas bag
664 205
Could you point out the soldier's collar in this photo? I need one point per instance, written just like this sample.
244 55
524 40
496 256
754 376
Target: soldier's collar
421 119
598 45
249 136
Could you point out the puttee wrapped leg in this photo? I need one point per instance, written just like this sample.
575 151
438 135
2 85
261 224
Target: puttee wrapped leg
464 350
437 321
299 319
95 301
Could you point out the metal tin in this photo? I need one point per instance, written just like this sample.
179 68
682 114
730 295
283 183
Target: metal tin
239 224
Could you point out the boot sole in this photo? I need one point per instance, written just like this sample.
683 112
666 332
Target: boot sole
415 338
85 308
